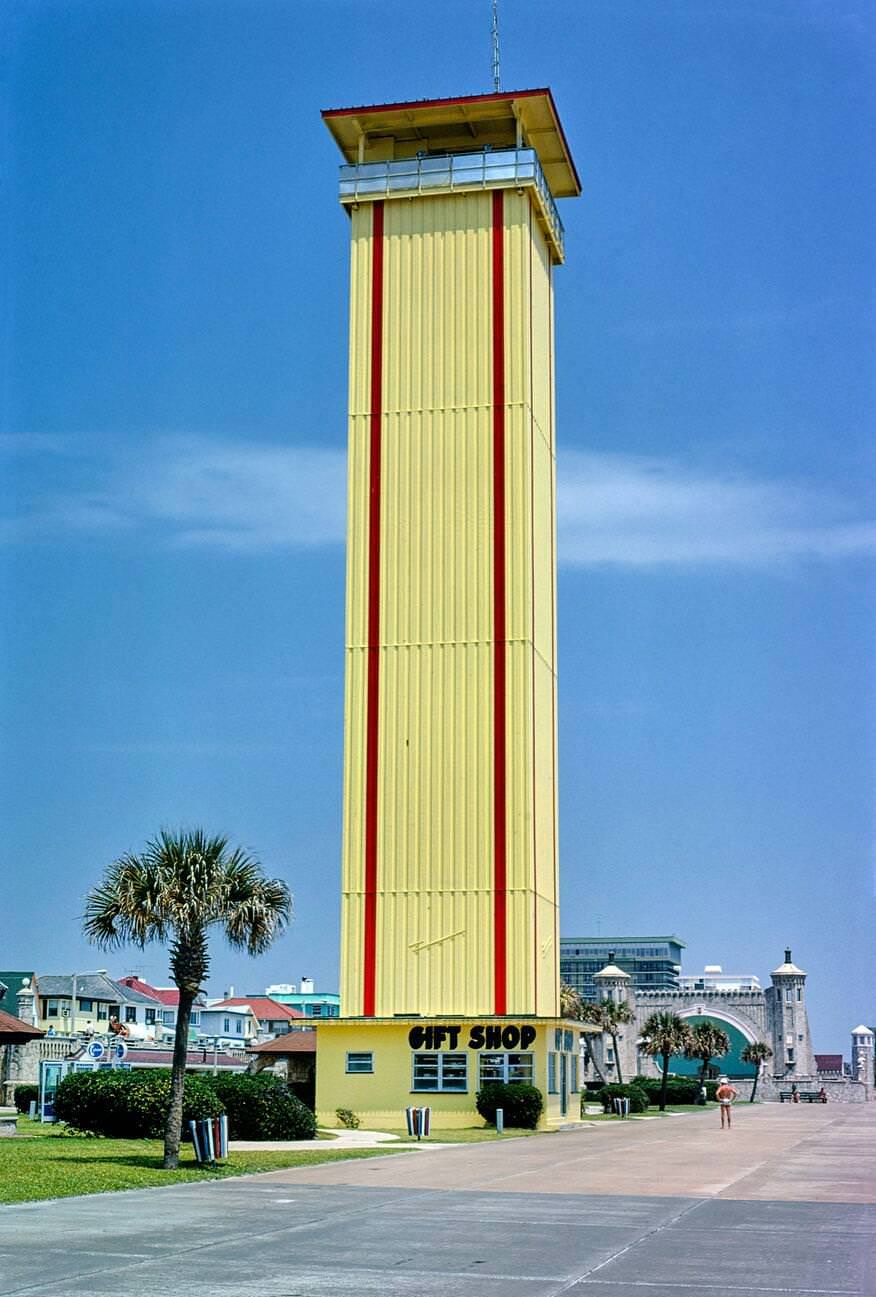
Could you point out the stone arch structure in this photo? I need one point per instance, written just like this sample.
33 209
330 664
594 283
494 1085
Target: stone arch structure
744 1012
773 1015
722 1014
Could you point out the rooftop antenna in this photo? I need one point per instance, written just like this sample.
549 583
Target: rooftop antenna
497 80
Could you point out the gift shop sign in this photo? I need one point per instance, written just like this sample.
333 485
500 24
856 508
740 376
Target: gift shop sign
480 1036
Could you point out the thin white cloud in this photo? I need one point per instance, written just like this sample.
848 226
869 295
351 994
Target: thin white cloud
644 512
619 510
197 492
249 497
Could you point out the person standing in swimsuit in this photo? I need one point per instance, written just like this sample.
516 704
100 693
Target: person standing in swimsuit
725 1094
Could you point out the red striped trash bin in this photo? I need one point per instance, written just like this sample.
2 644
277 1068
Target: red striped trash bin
210 1139
419 1121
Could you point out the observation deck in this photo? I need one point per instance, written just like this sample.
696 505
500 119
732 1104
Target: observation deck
435 146
447 173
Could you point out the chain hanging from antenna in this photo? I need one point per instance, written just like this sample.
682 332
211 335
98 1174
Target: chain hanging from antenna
497 80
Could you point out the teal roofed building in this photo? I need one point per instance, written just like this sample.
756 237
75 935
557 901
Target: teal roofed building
10 984
310 1002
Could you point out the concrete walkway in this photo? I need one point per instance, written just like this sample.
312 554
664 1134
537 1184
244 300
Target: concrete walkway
340 1139
781 1206
792 1152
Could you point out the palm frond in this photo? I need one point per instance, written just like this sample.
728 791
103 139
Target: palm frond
664 1033
122 909
257 913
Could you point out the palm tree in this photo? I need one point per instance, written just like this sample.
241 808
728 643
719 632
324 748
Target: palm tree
609 1015
571 1003
756 1052
182 885
591 1013
572 1006
663 1035
707 1042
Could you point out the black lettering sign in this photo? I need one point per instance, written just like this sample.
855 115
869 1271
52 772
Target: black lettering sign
481 1036
527 1036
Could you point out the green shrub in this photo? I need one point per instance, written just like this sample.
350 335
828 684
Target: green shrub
680 1090
24 1095
130 1105
305 1091
89 1101
262 1107
521 1104
637 1096
347 1118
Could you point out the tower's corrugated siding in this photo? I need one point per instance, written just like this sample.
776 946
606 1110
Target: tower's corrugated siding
435 911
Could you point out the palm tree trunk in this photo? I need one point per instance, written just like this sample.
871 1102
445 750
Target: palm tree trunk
173 1126
590 1059
754 1087
664 1081
704 1069
189 965
617 1062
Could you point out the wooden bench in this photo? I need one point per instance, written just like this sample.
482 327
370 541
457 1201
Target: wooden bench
805 1096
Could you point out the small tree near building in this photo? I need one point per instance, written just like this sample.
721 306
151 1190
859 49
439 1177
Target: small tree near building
182 885
707 1042
756 1052
610 1016
663 1035
572 1006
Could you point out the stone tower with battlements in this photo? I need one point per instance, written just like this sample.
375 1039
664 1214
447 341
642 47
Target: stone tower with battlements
786 1012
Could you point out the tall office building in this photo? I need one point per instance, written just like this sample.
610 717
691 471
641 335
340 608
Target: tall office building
653 963
449 894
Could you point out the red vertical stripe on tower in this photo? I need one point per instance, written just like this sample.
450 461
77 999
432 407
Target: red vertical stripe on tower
500 985
369 960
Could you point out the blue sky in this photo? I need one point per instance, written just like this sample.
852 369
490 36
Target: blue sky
173 423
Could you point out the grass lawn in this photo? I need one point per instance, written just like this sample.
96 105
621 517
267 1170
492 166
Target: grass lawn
46 1164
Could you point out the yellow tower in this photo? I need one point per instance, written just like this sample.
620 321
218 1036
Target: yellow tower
449 908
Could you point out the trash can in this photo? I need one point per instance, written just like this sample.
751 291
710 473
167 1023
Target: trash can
210 1139
419 1121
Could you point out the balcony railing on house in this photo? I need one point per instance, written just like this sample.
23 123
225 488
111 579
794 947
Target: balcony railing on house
452 173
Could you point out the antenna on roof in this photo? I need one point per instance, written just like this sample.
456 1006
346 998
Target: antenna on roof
497 80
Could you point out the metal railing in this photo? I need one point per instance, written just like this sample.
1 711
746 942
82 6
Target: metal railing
423 175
